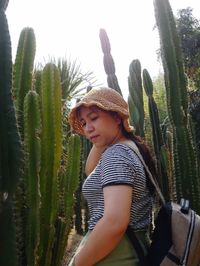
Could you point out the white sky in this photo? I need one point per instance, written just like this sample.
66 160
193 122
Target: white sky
70 28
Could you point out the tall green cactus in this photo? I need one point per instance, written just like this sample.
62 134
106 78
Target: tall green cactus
184 154
32 131
23 70
108 61
51 140
68 184
159 148
10 147
136 103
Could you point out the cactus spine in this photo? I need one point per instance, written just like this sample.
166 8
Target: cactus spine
108 62
10 147
32 129
184 154
136 103
51 140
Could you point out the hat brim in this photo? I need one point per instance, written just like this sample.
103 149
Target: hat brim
77 126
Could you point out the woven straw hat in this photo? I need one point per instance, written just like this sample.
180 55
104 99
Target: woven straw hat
106 99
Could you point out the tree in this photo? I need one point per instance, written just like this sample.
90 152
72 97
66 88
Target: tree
189 32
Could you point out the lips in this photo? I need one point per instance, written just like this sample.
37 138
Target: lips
93 138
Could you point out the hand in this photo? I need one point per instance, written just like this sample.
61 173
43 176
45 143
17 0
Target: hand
93 158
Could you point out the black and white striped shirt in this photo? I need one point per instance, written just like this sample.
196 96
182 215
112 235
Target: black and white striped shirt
119 165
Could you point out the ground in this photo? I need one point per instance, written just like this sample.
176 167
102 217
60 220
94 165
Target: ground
73 242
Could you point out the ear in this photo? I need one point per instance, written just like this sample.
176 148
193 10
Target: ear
117 118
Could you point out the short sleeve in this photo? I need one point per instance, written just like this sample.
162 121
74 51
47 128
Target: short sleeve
117 167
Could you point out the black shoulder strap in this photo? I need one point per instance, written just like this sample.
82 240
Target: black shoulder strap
137 246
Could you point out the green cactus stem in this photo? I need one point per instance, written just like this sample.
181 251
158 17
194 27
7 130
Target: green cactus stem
69 183
10 147
136 94
51 141
32 130
184 155
159 147
108 61
23 70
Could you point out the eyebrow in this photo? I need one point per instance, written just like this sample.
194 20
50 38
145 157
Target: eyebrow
91 112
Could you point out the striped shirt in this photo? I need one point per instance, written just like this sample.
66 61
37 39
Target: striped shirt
119 165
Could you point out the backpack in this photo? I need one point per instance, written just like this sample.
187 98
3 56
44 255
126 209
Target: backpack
176 236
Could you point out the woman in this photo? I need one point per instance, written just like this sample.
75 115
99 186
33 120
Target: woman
116 189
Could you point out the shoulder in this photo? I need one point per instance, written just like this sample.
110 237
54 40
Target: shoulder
120 152
118 149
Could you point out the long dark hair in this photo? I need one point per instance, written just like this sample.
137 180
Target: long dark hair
146 154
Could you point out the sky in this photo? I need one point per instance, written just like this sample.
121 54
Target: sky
70 29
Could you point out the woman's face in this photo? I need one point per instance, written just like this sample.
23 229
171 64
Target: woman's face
101 127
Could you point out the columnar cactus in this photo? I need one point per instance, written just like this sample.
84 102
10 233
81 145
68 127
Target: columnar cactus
69 182
159 147
108 61
23 70
10 147
51 144
184 154
32 131
135 100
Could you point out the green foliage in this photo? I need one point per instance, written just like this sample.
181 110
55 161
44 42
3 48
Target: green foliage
160 96
72 78
189 31
194 110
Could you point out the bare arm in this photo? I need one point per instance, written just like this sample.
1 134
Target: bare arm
111 227
93 158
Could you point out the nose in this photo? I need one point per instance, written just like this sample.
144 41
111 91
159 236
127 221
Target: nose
89 128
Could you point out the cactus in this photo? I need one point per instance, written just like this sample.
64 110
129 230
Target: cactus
160 150
23 68
69 183
32 129
10 147
136 97
37 81
51 140
184 154
108 62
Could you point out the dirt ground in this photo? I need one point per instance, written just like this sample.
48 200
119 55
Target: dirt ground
73 242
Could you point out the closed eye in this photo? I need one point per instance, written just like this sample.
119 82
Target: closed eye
94 118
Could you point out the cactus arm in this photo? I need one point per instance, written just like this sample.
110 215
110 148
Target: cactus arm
134 115
32 128
108 61
23 68
136 94
159 148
